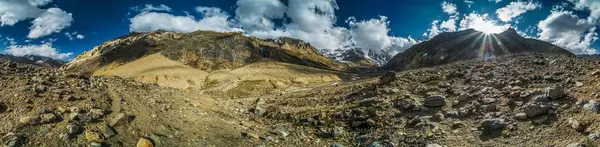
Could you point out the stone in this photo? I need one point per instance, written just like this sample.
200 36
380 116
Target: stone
555 92
456 125
388 77
535 109
119 119
521 116
434 145
578 84
405 104
486 101
93 136
156 139
250 135
592 106
96 113
69 98
493 124
73 129
336 132
30 120
143 142
48 117
434 101
258 111
438 117
575 124
463 97
107 131
95 144
336 145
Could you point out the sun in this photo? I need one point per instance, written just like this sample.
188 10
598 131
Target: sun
488 27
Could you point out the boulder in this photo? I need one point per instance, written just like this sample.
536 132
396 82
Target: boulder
434 101
493 124
535 109
388 77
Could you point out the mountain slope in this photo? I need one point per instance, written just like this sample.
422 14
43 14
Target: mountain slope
204 50
184 60
468 44
33 60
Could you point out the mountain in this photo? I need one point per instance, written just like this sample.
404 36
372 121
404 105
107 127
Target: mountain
358 56
33 60
590 57
468 44
207 59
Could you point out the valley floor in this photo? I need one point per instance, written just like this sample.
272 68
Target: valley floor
518 100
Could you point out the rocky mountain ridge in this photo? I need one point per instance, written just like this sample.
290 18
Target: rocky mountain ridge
468 44
33 60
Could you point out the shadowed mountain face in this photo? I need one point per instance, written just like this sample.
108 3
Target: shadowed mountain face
33 60
203 50
468 44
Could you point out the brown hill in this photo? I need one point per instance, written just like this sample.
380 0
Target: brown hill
468 44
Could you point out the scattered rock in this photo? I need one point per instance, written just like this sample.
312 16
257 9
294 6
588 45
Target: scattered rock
388 77
575 124
107 131
73 129
438 117
434 145
143 142
486 101
592 106
434 101
493 124
405 104
30 120
119 119
258 111
336 145
521 116
156 139
535 109
555 92
250 135
48 117
93 136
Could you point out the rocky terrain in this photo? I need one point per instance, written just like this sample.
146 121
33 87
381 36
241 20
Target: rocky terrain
468 44
533 99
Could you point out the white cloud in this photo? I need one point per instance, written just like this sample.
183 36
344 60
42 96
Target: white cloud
496 1
373 34
468 2
161 7
449 25
213 19
39 3
515 9
565 29
449 8
256 15
434 30
52 21
481 22
45 50
73 35
592 5
13 11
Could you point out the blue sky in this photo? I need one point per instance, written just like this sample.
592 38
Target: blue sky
63 29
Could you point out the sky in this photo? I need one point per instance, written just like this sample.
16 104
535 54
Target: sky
62 29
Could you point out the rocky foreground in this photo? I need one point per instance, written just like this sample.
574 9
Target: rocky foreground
517 100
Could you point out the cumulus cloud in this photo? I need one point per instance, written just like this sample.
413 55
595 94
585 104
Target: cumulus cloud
46 22
310 20
514 9
373 34
79 36
565 29
52 21
496 1
256 15
481 22
45 50
449 8
213 19
13 11
39 3
592 5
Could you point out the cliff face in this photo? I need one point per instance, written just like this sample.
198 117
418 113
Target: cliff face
204 50
468 44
